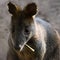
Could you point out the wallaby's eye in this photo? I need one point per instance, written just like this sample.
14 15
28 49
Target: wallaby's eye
26 31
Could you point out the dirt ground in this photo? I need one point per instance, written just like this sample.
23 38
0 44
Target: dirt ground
48 9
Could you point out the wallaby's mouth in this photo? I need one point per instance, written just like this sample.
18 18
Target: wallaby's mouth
25 43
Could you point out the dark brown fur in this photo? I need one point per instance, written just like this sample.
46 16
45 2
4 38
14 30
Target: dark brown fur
45 39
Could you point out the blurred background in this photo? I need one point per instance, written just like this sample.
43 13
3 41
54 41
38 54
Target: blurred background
47 9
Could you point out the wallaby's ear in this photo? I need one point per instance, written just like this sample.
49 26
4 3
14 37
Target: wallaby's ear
31 9
12 8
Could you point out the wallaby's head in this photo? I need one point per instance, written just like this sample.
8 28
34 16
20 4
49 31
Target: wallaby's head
22 23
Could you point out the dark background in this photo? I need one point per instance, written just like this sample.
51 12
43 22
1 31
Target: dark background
48 9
